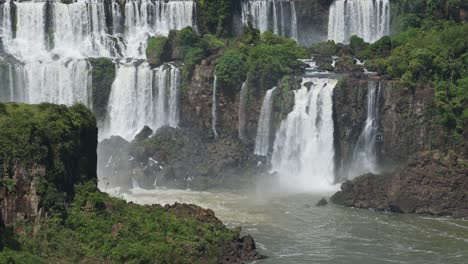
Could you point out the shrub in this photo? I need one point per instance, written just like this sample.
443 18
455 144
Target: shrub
231 70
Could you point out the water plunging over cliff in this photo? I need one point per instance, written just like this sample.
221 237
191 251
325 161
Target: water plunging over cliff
80 30
143 96
244 93
303 153
145 17
12 88
213 107
264 133
278 16
364 154
368 19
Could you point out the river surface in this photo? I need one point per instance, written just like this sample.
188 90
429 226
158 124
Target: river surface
289 228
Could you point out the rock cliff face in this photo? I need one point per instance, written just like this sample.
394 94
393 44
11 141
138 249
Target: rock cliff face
431 183
414 178
405 121
44 151
196 105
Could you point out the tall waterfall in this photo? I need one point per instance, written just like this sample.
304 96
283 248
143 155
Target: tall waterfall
143 96
303 153
53 40
242 109
278 16
364 154
79 29
369 19
213 107
263 138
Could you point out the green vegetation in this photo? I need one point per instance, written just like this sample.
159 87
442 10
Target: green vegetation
262 59
50 150
58 139
437 55
215 16
273 58
157 51
103 77
100 229
231 70
413 13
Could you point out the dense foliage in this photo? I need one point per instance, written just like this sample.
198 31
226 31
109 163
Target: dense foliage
435 54
262 59
215 16
413 13
101 229
59 139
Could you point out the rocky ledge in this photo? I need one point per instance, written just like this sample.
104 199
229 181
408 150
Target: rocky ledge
431 183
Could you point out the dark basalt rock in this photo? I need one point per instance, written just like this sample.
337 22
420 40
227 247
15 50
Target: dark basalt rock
322 202
431 184
239 250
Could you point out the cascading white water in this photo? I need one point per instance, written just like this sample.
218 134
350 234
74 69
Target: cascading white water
30 40
80 30
263 138
59 82
145 17
45 76
242 110
278 16
140 97
303 152
364 154
213 107
12 89
369 19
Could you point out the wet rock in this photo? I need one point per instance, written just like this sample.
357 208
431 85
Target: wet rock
431 183
145 133
240 250
322 202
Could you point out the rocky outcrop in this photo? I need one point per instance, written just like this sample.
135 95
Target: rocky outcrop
431 183
177 158
44 150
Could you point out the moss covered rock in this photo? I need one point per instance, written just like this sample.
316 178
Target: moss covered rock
103 76
158 50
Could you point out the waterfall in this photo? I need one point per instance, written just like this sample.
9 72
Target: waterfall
263 138
242 110
145 17
303 153
12 88
278 16
30 39
369 19
142 96
59 82
80 30
364 154
213 107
